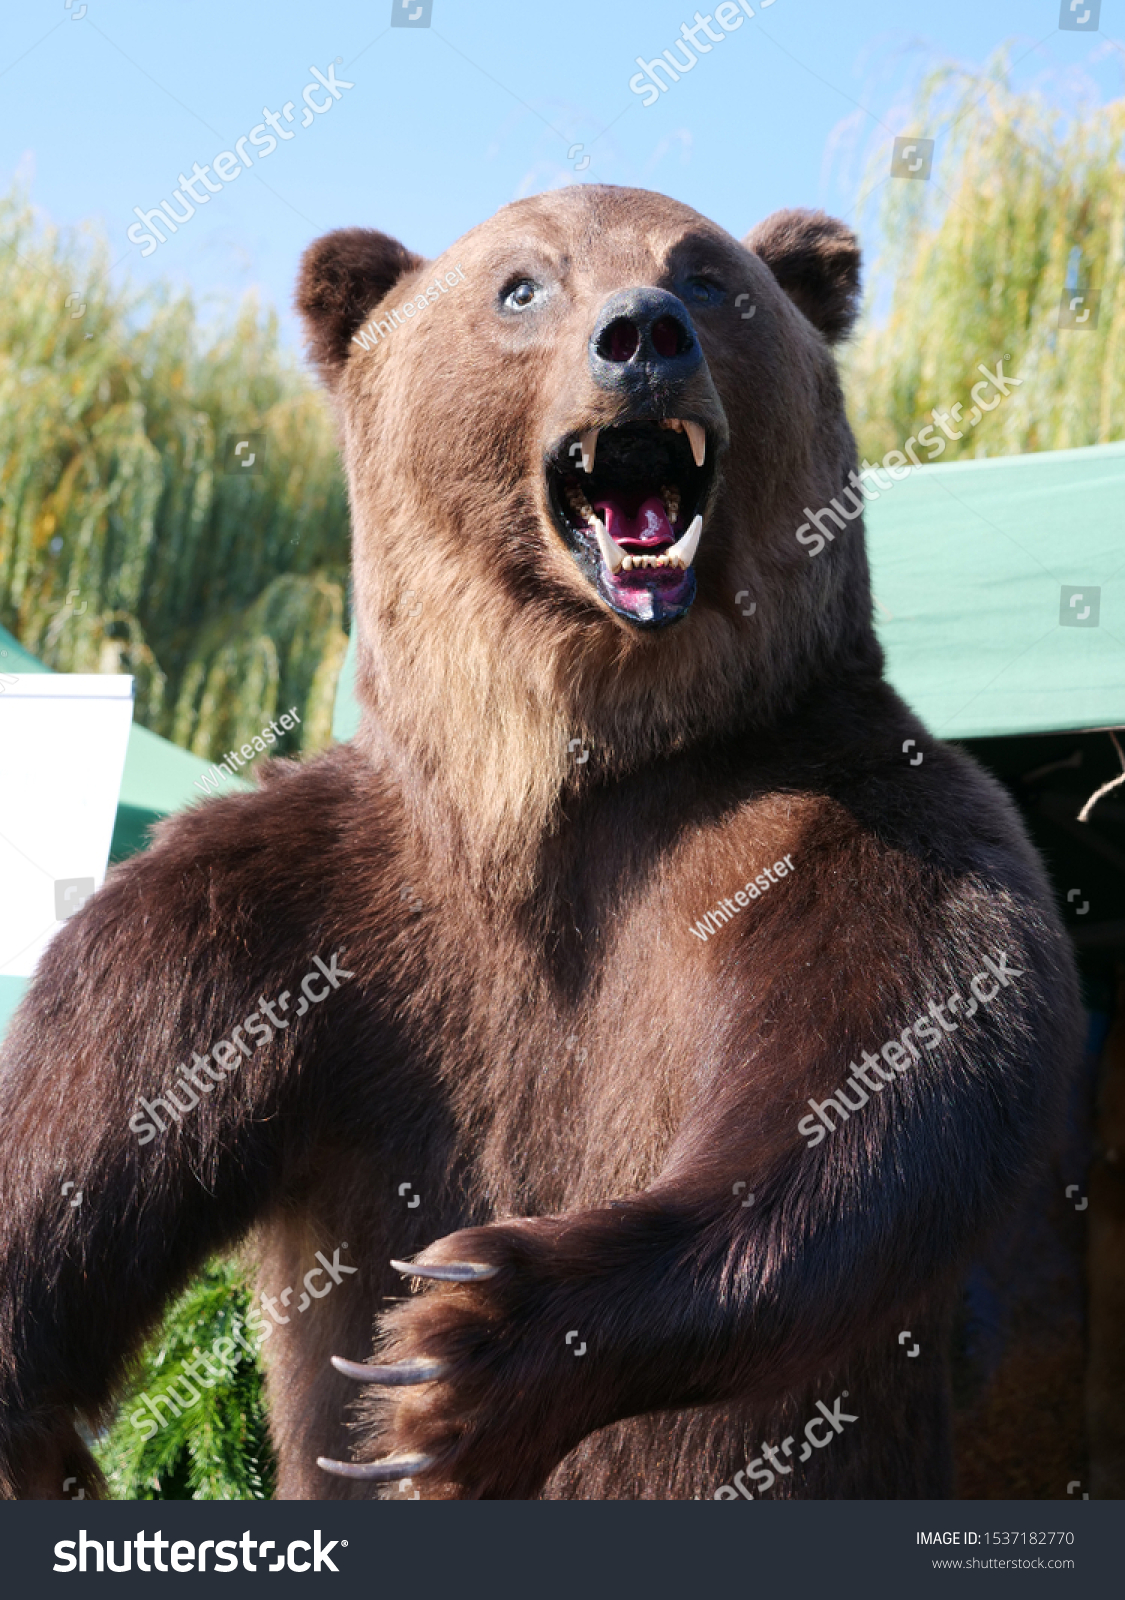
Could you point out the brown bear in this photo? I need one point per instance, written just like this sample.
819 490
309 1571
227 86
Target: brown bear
622 989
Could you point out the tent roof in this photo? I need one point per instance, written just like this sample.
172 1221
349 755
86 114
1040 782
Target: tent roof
968 565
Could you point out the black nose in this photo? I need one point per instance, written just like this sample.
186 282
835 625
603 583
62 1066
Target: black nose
643 336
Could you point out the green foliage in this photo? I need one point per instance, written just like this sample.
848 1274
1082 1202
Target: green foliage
224 594
218 1447
976 263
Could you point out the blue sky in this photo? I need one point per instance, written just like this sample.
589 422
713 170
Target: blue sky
101 112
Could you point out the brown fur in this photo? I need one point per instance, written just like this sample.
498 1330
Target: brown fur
1105 1385
532 1038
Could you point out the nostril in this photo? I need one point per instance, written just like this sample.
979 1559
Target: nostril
669 337
619 341
642 335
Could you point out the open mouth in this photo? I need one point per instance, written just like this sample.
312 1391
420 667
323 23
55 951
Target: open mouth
629 503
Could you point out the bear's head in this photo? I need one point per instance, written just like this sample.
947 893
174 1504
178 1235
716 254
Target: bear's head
579 446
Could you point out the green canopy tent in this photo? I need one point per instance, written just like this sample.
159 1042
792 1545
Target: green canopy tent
974 568
1000 602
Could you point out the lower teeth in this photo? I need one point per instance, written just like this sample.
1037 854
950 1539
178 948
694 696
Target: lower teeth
634 563
631 563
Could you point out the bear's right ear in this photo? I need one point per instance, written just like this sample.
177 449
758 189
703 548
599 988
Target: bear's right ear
816 261
342 277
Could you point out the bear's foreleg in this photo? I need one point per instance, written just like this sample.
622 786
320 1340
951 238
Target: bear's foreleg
536 1332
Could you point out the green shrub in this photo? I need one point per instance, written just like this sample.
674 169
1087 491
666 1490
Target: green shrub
218 1447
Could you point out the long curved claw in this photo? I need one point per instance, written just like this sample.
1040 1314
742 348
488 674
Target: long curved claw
449 1272
417 1370
376 1471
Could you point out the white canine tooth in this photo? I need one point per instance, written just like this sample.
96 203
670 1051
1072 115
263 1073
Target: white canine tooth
612 553
589 442
698 439
684 550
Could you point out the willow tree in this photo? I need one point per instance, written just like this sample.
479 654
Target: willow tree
132 537
1024 212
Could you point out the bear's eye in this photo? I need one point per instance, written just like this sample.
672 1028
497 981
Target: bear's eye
521 294
704 291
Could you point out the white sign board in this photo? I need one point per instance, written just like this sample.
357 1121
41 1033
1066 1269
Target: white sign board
63 739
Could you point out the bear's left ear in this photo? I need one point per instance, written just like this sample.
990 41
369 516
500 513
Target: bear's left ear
815 259
342 277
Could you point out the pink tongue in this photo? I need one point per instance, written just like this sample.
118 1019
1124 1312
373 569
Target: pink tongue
649 526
